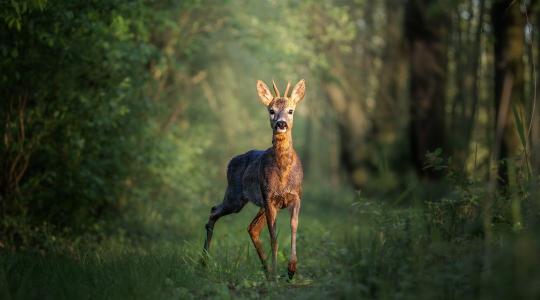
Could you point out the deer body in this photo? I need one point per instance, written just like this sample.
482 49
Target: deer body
270 179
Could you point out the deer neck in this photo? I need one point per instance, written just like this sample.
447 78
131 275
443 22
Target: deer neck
283 150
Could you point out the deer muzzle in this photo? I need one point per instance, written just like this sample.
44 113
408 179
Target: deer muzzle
281 126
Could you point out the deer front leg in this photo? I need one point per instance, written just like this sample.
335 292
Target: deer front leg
271 214
295 210
254 231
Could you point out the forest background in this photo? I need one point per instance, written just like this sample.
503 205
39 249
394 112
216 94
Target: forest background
419 136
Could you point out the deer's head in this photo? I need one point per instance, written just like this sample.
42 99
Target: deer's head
281 108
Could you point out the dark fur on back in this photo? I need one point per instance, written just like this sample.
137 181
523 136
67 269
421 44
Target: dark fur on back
236 171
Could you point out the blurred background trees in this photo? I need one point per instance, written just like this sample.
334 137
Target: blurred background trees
113 108
426 24
509 88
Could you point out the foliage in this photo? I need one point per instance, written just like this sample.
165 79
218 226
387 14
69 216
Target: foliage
119 118
81 129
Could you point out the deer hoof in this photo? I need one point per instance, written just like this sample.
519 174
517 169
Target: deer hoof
291 275
291 269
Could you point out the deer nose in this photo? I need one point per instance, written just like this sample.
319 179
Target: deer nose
281 124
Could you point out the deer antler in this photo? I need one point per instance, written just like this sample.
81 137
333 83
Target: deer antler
287 89
276 89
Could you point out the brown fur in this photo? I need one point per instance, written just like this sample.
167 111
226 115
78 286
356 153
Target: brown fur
271 179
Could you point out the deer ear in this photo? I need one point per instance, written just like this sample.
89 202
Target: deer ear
298 92
264 93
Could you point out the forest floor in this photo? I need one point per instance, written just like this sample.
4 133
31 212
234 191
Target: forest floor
348 247
172 269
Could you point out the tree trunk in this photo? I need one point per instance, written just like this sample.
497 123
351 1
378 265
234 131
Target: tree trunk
388 111
352 126
508 29
475 68
536 116
426 25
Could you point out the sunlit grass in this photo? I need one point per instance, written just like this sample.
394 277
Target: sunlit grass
168 268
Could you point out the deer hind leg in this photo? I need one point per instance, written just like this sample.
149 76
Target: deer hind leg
229 206
216 212
254 231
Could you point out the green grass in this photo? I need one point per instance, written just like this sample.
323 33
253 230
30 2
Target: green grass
348 247
171 268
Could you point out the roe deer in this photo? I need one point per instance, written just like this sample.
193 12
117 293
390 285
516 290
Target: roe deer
271 179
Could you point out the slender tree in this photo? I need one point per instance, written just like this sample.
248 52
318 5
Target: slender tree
388 113
426 24
535 56
508 30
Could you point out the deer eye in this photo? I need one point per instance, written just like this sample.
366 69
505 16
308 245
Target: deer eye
290 111
272 112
